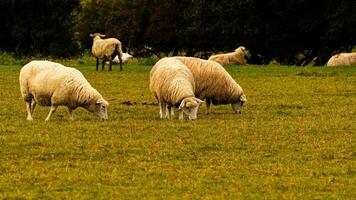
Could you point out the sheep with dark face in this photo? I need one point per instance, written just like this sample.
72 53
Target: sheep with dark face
51 84
106 49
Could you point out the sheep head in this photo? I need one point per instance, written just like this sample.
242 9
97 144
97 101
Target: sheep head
97 35
237 107
100 108
190 106
242 50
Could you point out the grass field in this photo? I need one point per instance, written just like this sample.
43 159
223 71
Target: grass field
296 139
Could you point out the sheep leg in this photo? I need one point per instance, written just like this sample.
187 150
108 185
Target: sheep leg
33 105
97 64
181 115
71 117
162 110
53 109
28 108
103 63
110 63
120 59
168 111
172 112
208 103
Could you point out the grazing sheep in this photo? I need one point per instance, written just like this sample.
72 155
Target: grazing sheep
173 84
125 57
237 57
106 49
214 83
342 59
51 84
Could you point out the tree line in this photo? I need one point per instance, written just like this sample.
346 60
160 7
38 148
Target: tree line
293 32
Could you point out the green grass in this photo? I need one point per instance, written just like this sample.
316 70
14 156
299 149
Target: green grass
296 139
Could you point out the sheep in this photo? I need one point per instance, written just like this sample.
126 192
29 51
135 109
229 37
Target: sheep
237 57
173 84
342 59
106 49
214 84
52 84
125 57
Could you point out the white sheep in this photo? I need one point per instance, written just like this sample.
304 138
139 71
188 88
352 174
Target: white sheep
214 84
342 59
237 57
52 84
173 84
106 49
125 57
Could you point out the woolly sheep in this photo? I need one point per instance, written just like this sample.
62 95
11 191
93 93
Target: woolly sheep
214 83
173 84
342 59
125 57
106 49
52 84
237 57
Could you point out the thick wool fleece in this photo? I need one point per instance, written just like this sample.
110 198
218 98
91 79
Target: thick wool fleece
171 81
105 47
212 81
51 83
343 59
237 57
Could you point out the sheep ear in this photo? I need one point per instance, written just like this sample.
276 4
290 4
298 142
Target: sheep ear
99 101
91 35
199 100
101 35
181 106
243 98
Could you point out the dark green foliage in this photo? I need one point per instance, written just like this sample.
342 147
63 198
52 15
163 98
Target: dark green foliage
126 20
38 27
291 31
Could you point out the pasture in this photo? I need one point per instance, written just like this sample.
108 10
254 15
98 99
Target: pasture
296 139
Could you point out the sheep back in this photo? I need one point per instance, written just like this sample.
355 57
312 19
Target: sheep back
105 47
52 83
237 57
342 59
222 59
212 81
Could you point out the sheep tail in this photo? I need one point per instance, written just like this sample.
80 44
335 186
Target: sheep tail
118 51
